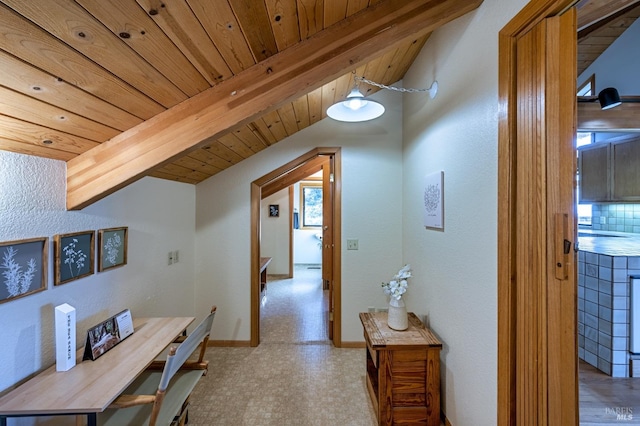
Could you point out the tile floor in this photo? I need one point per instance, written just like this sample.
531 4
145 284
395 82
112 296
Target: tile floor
294 377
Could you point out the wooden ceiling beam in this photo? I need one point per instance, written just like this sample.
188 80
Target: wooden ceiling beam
269 84
623 118
592 11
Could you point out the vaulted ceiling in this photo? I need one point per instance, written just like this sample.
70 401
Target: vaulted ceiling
183 89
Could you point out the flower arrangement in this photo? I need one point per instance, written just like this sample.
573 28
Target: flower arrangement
398 285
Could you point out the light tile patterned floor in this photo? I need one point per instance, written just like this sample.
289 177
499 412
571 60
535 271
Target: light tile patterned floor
294 377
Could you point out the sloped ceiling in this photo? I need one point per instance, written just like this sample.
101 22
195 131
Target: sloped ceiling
183 89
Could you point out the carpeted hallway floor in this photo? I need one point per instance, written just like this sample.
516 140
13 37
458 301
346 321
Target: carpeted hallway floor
294 377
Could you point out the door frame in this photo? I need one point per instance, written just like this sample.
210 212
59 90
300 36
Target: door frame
526 387
271 183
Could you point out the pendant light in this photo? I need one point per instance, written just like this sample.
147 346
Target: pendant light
355 108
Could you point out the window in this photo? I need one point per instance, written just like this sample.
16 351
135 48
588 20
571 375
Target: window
311 204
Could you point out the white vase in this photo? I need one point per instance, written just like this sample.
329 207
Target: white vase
397 317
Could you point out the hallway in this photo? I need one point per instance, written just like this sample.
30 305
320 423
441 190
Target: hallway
294 377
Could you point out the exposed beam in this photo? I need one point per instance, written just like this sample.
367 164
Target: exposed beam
624 118
593 11
259 89
586 31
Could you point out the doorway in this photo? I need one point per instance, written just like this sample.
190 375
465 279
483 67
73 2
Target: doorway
328 160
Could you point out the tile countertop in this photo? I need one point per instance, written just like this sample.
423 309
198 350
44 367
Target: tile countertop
609 243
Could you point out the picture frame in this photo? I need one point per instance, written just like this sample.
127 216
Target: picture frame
433 201
102 337
74 256
274 210
23 268
112 248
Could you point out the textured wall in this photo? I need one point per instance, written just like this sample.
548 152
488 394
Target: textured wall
455 279
160 216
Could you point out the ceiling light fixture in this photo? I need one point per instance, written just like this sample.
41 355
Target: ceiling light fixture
356 108
609 98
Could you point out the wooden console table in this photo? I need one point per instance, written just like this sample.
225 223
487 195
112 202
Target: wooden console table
264 262
90 386
403 371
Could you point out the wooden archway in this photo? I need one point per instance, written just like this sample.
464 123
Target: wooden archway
272 182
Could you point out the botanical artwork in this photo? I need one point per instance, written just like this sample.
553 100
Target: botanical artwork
433 200
23 266
74 256
112 249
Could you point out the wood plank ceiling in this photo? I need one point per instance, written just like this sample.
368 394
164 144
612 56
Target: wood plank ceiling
78 73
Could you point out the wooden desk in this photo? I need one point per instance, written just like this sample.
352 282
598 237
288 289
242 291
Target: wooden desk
90 386
403 371
264 262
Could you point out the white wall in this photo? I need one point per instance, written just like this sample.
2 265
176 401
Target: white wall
455 271
161 218
618 65
371 212
275 233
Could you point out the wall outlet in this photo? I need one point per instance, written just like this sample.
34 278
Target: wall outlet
170 258
371 309
176 256
352 244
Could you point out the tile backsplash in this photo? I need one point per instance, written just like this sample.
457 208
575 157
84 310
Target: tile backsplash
616 217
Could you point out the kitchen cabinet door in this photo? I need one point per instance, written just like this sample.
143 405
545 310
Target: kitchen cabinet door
626 171
594 162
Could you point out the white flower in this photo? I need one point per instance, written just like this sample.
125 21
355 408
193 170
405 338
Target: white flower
398 284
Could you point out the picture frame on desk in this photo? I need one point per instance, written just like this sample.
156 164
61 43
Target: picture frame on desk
112 248
104 336
23 268
74 256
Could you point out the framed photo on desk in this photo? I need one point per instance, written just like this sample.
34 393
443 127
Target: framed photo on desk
104 336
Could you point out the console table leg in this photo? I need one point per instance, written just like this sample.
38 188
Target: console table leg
92 419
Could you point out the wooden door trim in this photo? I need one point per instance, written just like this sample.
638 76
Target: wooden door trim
276 177
531 15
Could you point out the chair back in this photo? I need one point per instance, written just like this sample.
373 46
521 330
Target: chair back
178 355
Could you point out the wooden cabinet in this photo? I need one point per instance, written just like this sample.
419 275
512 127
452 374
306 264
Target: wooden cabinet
610 172
594 175
625 171
403 371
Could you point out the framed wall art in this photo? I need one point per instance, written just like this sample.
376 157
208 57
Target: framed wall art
112 248
23 268
274 210
74 256
433 201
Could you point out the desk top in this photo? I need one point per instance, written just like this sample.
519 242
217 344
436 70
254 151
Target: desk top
91 386
380 336
264 262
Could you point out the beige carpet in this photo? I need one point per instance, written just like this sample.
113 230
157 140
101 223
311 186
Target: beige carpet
294 377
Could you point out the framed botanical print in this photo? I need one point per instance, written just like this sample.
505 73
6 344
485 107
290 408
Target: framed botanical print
23 268
112 248
74 256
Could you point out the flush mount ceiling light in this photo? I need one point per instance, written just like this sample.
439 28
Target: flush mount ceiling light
609 98
357 108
